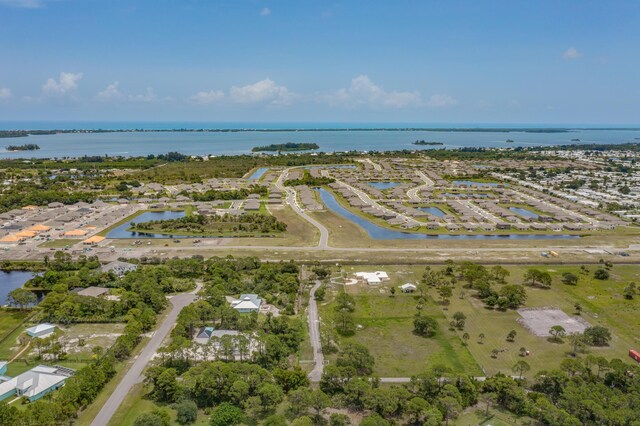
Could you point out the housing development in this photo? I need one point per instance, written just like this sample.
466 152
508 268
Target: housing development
430 281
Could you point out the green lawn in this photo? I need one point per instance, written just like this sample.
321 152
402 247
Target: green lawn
386 328
59 243
9 320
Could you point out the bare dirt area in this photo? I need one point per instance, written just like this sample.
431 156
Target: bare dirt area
539 320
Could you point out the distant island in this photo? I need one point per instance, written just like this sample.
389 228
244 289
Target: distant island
25 133
25 147
575 140
289 146
510 141
423 142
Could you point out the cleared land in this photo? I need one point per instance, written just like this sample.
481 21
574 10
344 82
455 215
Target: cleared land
387 322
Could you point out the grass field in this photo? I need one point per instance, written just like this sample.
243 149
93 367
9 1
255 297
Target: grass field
386 327
9 331
59 243
387 322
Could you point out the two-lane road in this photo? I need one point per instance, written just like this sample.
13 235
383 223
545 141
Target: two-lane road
314 335
134 375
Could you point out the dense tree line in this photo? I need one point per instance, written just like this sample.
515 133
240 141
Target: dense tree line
245 223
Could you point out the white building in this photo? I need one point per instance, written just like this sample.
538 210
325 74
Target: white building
42 331
372 278
408 288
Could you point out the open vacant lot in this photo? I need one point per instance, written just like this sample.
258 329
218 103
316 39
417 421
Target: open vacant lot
385 321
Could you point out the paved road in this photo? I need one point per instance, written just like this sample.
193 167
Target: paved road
134 375
292 200
413 193
314 335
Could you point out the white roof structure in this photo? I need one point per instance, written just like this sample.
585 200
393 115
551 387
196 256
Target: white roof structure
33 382
41 328
373 277
408 286
246 302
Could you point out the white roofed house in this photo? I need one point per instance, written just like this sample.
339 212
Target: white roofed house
372 278
408 288
41 330
119 268
246 303
35 383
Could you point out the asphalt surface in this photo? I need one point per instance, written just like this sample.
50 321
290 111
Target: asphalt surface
134 375
314 335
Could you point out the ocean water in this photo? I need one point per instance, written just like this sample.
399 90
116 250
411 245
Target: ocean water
240 142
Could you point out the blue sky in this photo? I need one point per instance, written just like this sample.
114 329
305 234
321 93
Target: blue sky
472 61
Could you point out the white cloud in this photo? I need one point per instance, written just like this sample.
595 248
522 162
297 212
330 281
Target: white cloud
5 94
148 96
441 101
265 11
111 92
68 82
265 91
363 92
26 4
571 53
205 98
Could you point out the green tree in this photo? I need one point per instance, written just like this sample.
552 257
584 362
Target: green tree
186 412
601 274
465 338
515 295
569 278
459 320
339 419
557 332
535 277
270 396
226 414
357 356
630 291
511 336
425 326
597 336
21 297
521 367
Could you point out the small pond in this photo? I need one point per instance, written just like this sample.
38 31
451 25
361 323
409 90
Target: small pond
379 233
433 211
524 212
384 185
122 232
10 281
473 183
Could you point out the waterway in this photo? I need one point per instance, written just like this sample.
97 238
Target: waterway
240 142
122 232
258 173
379 233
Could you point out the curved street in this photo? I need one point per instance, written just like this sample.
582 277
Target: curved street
292 200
